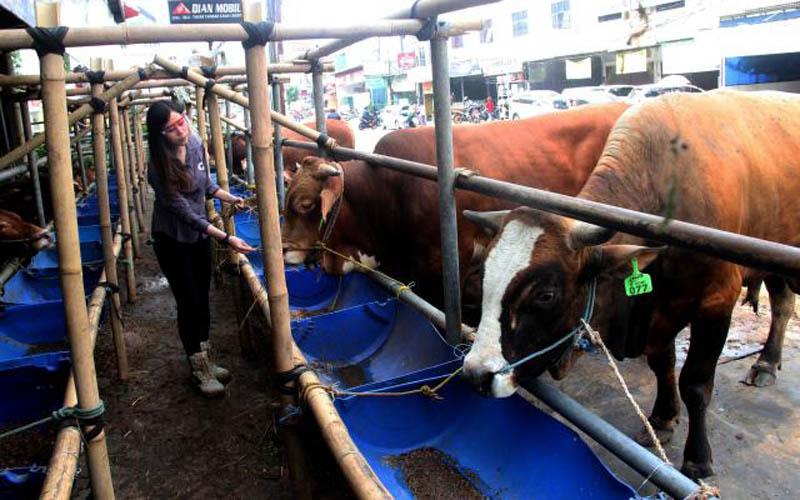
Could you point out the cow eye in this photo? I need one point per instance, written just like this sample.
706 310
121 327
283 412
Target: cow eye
544 297
304 206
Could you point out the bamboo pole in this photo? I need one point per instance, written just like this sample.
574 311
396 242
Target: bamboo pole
65 215
79 151
80 113
122 194
199 92
129 35
219 158
33 165
103 202
66 451
146 102
133 166
234 123
299 66
126 161
137 129
241 100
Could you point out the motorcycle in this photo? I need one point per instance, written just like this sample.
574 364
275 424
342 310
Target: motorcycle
369 121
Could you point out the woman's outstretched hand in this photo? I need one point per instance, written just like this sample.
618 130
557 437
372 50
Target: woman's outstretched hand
239 204
240 245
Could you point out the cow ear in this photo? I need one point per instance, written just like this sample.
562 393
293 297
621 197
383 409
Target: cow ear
331 190
288 176
615 260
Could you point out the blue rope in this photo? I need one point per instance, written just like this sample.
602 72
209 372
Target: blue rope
578 330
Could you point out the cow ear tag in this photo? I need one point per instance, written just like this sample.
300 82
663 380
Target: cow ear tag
637 283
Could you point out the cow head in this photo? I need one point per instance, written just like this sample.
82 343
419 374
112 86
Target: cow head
314 187
14 230
537 277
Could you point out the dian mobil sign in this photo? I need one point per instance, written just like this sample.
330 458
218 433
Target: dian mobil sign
207 11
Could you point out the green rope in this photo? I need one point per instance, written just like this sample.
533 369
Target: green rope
60 415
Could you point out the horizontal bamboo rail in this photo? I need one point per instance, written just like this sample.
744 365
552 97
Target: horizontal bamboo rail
241 100
64 460
128 35
233 123
79 114
298 66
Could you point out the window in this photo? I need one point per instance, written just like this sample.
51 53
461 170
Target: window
519 21
457 41
560 13
609 17
487 34
422 58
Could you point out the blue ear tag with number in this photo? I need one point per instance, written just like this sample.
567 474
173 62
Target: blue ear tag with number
637 283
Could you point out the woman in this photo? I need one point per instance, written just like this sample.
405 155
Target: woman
181 232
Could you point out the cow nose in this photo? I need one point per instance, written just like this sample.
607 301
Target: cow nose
481 381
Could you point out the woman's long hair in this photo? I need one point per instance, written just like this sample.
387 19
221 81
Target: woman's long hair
178 178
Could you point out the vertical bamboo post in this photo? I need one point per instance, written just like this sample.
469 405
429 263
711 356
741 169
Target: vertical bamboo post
131 207
137 128
133 162
122 193
219 156
54 100
19 128
256 63
201 121
106 231
32 164
79 154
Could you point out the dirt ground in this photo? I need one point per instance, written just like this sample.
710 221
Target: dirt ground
754 432
167 441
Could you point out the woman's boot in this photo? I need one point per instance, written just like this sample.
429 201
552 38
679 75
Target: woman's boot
203 376
219 372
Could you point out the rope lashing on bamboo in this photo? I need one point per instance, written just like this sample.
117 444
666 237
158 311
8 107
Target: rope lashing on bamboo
98 104
207 86
283 379
98 76
142 74
83 418
184 72
48 40
111 287
257 33
209 71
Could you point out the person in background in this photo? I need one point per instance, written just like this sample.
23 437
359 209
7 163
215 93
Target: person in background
332 114
490 106
181 231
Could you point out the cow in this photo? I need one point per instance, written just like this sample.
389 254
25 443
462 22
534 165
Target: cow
391 219
722 159
18 237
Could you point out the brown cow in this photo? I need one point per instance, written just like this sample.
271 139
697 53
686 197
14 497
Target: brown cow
391 218
727 160
18 237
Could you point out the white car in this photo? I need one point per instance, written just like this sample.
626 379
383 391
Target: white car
578 96
534 102
643 92
394 116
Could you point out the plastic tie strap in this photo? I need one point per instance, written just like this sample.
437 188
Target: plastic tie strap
89 417
48 40
98 104
284 378
322 140
209 71
257 33
184 72
428 30
143 75
95 76
126 237
111 287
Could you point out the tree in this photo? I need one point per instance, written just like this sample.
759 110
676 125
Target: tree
291 93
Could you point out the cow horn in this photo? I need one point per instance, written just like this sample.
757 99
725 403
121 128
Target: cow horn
584 234
326 170
488 220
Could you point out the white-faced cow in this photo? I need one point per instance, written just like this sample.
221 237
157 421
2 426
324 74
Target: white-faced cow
726 160
390 218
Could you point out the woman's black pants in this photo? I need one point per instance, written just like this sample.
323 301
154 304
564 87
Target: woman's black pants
187 267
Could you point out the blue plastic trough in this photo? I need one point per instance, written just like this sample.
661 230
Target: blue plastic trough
22 483
505 448
43 377
45 263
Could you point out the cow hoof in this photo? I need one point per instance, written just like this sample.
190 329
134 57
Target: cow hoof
696 471
663 435
761 374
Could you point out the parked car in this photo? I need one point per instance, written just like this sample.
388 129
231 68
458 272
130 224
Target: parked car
578 96
535 102
643 92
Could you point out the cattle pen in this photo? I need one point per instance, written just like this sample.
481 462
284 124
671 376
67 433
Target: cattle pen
299 345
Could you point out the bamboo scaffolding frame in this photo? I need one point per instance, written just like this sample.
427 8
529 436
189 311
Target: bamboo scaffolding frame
146 102
122 194
129 181
133 171
33 165
219 160
234 124
66 225
137 136
241 100
298 66
80 113
66 450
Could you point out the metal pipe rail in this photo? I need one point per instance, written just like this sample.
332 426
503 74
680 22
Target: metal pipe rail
740 249
421 9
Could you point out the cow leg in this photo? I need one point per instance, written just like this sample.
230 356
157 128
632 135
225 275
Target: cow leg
781 299
696 382
666 408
